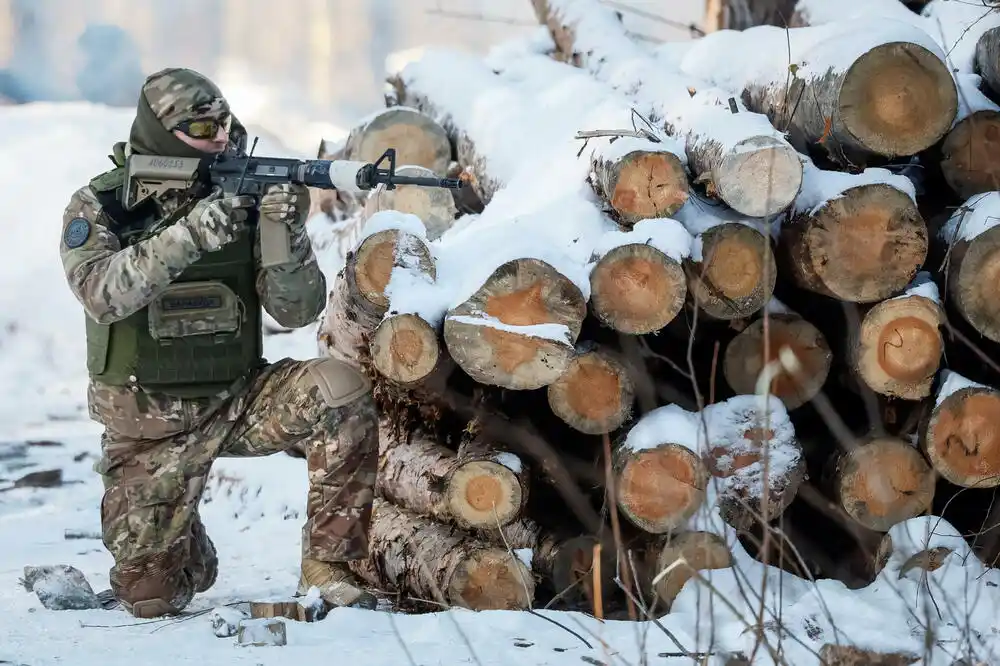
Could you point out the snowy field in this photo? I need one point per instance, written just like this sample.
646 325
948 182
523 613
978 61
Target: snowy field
253 509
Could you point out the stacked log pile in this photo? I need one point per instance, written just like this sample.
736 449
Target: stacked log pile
691 294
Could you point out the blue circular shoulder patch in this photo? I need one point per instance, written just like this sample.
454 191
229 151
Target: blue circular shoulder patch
77 232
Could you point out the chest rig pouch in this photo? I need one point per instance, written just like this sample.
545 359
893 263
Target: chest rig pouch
199 335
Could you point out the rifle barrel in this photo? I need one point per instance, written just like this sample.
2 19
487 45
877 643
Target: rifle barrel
450 183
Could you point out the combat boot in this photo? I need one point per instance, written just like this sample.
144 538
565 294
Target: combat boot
337 585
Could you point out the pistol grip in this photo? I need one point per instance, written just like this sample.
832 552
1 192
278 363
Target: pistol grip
275 243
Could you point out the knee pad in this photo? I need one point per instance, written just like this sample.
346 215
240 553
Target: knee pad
339 383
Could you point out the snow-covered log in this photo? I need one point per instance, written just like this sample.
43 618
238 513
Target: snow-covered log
961 437
749 354
858 88
497 122
882 481
595 394
755 457
358 297
731 272
637 281
972 235
432 561
898 347
518 329
471 489
968 154
660 476
920 544
855 237
738 155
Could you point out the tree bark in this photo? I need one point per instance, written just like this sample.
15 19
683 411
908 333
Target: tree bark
753 349
472 491
518 329
988 61
962 434
439 564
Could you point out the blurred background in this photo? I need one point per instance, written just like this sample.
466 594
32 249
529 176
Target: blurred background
295 68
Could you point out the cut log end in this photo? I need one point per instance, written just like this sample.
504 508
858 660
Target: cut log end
371 265
405 348
864 246
644 185
760 177
637 289
660 488
970 154
898 99
484 494
700 551
883 482
744 359
900 346
594 395
737 274
492 579
533 317
417 138
434 206
962 439
973 285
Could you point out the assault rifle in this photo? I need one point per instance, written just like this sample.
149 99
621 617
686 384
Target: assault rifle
152 175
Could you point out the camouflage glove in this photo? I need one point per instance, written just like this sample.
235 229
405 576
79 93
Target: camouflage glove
216 220
287 203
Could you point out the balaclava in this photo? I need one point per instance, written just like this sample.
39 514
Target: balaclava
168 97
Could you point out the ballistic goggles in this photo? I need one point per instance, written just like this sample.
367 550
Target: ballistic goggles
205 128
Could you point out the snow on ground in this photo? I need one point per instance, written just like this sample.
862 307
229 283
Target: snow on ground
253 508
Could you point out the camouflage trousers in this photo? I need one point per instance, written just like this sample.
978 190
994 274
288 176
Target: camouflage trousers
158 451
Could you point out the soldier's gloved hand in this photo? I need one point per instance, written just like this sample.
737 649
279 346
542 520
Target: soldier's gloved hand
287 203
215 220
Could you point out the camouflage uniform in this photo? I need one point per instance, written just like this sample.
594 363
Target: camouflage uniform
167 419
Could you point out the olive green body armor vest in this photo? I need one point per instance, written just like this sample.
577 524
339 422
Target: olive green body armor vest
199 335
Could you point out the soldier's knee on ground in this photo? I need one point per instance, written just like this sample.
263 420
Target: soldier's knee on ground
339 383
